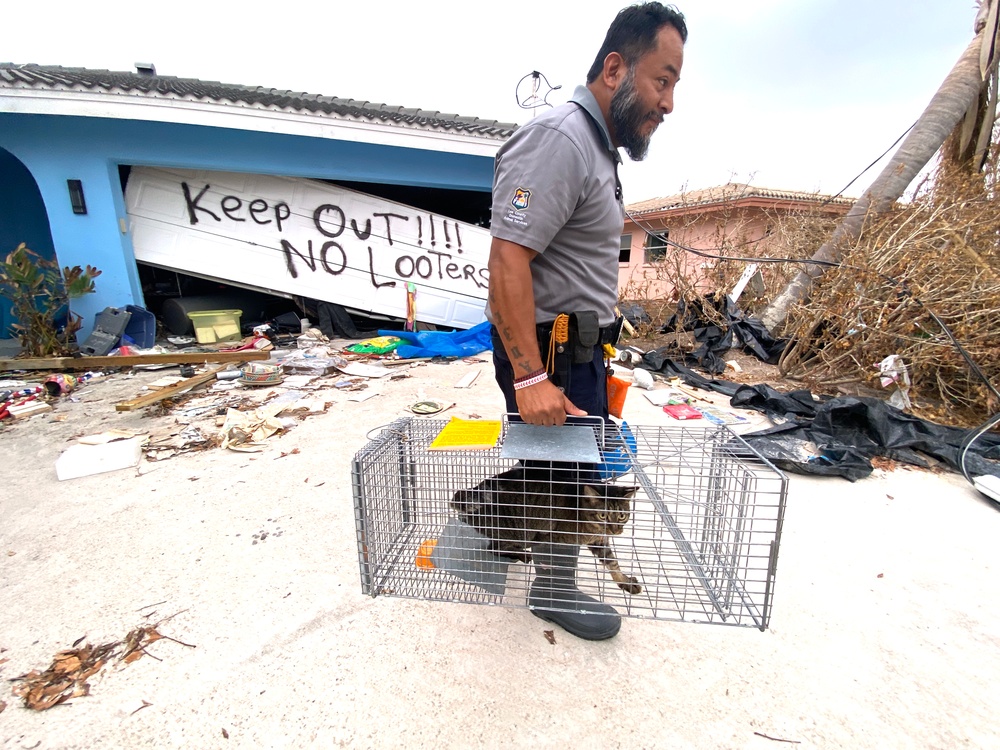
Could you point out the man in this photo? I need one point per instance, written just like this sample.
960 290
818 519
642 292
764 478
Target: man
558 215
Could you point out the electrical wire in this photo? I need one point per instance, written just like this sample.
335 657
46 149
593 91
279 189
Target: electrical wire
973 436
973 366
858 177
532 101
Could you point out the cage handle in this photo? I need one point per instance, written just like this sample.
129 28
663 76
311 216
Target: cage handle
597 423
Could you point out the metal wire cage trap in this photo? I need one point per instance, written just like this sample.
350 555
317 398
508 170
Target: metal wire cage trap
701 537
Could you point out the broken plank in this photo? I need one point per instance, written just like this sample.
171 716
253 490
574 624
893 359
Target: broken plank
163 393
29 409
93 363
468 379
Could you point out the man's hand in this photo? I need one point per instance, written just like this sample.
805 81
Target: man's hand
545 404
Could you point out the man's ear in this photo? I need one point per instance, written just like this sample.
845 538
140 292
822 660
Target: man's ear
614 70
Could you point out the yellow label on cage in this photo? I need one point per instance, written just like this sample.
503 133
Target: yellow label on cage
467 434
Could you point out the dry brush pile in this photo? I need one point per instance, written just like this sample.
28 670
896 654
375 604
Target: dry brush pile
936 256
929 262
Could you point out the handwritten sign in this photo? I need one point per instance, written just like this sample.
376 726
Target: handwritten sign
311 239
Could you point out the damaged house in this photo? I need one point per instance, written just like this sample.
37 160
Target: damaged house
174 186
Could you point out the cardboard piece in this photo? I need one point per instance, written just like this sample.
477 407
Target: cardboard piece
84 460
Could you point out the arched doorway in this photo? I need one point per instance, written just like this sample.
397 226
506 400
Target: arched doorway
22 219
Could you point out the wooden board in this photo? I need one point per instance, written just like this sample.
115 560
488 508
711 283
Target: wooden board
95 363
29 409
158 395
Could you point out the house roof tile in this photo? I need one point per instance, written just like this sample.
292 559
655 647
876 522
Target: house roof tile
126 83
729 192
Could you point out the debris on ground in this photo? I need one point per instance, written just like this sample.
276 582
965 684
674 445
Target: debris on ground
71 669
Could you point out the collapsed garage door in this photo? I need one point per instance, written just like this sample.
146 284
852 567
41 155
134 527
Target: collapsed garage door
310 239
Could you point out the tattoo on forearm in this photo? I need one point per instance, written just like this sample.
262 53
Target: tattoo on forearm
507 334
525 365
515 352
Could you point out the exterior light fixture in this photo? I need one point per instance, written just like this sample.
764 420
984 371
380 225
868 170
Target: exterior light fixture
76 198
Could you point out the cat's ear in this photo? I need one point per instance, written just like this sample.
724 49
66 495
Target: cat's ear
624 492
591 496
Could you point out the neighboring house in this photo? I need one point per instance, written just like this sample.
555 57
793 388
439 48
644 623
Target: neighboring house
734 219
228 169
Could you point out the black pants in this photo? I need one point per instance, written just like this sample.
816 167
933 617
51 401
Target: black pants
588 390
588 382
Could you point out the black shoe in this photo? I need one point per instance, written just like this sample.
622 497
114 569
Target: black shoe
589 619
555 598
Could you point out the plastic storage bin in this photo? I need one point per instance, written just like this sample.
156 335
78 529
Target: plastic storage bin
141 327
109 325
211 326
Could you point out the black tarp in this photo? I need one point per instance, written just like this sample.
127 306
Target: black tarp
714 340
839 436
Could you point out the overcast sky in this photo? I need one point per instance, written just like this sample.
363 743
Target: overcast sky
787 94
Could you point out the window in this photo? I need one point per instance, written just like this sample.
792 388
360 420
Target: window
625 249
656 246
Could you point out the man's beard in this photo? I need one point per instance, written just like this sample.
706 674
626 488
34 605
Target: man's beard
628 117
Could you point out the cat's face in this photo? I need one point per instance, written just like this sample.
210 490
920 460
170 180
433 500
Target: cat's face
608 505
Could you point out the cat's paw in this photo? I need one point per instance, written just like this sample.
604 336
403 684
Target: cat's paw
524 557
632 586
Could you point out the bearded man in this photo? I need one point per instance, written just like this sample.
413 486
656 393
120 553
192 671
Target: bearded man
558 215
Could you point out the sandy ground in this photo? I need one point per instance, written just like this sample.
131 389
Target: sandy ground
885 629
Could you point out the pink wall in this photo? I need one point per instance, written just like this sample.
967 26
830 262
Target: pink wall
721 228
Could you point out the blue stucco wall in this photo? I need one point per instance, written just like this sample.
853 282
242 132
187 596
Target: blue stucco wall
22 219
55 149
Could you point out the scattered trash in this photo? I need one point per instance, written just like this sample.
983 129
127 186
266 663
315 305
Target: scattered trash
443 343
59 384
682 411
107 436
261 374
364 371
21 402
67 677
661 397
893 374
721 416
83 460
247 430
468 379
312 338
28 408
377 345
642 378
426 407
167 380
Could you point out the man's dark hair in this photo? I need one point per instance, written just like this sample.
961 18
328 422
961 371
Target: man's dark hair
634 31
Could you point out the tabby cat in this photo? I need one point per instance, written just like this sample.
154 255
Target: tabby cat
526 505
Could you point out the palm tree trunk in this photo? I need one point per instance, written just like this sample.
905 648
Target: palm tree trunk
959 91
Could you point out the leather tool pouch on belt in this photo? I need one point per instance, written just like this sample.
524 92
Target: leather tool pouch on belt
584 336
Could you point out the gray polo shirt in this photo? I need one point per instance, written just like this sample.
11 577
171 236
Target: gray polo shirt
555 191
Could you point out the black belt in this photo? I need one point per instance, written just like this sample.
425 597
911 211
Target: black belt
606 335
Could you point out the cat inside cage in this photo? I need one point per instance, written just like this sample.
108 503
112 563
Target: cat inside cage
539 503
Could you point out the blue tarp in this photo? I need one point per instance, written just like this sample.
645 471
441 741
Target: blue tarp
443 343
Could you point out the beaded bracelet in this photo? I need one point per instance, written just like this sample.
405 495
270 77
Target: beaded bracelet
530 380
530 375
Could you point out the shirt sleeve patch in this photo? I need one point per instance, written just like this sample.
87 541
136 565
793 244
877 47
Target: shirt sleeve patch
521 199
